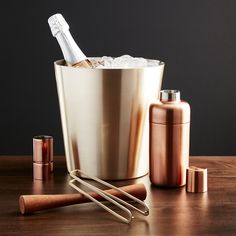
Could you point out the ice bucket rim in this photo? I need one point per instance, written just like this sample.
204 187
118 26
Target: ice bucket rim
61 63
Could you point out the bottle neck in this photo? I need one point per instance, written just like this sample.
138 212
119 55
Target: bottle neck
71 52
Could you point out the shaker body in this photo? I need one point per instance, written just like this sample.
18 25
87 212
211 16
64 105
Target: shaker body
169 142
169 154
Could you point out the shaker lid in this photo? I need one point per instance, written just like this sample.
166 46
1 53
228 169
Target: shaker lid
170 95
196 179
170 109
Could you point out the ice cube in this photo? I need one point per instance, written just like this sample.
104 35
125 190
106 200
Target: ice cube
122 61
153 63
137 62
107 61
126 61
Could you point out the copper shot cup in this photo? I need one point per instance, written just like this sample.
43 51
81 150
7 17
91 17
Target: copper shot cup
196 179
42 157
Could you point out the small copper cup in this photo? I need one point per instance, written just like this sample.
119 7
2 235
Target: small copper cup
42 157
196 179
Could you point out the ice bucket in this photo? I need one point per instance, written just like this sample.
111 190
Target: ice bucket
104 114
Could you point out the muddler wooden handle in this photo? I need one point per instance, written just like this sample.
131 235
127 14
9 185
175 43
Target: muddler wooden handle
31 203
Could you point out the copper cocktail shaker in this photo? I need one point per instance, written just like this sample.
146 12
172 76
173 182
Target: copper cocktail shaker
169 140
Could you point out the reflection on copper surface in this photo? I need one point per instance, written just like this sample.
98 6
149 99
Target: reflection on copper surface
42 187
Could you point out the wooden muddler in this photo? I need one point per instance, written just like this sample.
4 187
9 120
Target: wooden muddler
31 203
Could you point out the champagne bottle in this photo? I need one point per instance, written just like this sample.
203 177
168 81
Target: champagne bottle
71 52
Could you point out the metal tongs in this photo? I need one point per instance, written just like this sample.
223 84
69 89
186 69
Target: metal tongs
109 197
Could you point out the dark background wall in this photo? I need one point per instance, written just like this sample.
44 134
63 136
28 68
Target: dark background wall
196 40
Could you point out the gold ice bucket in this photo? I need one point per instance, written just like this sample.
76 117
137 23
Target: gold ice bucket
104 114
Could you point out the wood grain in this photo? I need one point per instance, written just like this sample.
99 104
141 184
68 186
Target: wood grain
172 211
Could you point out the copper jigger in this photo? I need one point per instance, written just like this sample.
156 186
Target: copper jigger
42 157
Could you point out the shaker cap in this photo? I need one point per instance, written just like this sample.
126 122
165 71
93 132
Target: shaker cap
196 179
170 95
170 109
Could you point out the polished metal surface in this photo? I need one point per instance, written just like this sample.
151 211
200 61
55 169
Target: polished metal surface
170 95
196 180
123 205
170 112
42 157
104 115
42 171
169 143
42 149
169 154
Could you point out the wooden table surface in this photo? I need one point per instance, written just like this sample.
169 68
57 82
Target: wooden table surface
172 211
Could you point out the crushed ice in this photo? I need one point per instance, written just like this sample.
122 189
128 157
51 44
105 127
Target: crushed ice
126 61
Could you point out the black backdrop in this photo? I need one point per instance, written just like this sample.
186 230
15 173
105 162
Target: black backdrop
196 40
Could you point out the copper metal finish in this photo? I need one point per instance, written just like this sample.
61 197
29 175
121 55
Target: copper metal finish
104 115
42 171
169 141
196 180
42 149
42 157
170 112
